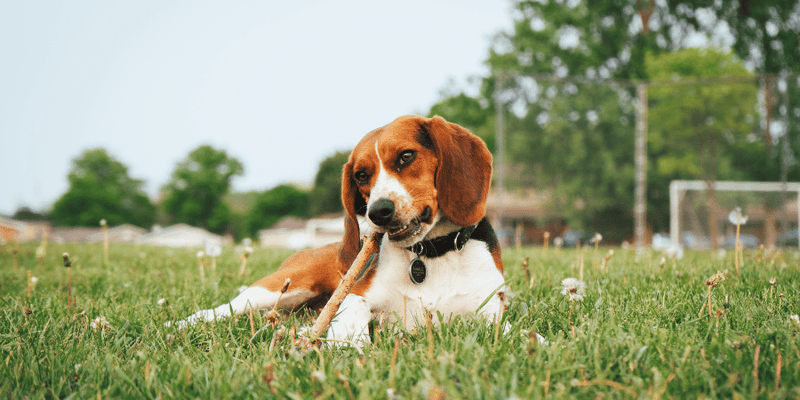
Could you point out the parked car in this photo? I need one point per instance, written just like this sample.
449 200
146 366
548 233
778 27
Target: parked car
748 241
787 239
572 237
697 242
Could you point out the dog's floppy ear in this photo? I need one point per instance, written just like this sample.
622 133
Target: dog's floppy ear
353 203
464 174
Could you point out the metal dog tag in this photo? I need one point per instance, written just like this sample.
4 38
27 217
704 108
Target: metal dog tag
417 271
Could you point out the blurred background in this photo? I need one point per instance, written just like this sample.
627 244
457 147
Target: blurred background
645 121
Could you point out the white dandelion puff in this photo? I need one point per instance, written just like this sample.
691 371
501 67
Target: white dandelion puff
573 288
100 323
318 376
736 218
213 249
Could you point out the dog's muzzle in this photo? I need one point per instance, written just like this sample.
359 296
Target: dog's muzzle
383 215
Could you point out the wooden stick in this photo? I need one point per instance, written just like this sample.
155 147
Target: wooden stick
371 246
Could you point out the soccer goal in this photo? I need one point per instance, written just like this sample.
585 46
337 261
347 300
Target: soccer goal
699 213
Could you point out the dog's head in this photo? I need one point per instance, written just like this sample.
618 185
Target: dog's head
404 177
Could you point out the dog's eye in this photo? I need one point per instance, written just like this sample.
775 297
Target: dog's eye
406 157
361 177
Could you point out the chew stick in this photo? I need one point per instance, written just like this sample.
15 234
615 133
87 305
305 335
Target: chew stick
345 286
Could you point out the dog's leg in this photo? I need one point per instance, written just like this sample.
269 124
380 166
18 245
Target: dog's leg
254 297
351 325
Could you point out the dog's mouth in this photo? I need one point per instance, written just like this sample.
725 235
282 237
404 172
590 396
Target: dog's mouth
402 232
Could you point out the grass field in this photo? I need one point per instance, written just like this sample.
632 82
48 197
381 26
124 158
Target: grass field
640 332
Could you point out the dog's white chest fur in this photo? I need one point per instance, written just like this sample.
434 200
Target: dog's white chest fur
456 283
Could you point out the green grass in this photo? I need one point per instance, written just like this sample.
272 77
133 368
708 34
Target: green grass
638 333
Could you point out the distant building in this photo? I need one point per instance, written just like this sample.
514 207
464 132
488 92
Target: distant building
296 233
181 235
8 230
125 233
23 231
73 234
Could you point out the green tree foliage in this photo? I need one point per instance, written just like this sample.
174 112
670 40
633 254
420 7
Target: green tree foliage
697 128
569 129
766 32
198 185
469 112
276 203
767 37
26 214
326 195
564 75
100 188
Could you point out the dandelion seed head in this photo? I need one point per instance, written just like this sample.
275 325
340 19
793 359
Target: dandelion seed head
318 376
100 323
213 249
773 281
674 251
573 288
247 242
795 320
162 302
715 279
736 218
597 238
103 222
34 280
200 254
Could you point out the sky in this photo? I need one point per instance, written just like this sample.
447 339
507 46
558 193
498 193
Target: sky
277 85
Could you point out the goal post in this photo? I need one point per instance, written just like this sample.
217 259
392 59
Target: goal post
758 191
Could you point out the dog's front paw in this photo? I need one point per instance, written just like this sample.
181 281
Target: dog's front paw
351 326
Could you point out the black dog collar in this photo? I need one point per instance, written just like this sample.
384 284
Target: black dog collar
439 246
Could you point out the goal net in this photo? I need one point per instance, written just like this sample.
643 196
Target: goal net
699 213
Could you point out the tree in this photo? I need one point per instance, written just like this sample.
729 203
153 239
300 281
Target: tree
26 214
569 128
100 188
698 126
326 195
195 192
276 203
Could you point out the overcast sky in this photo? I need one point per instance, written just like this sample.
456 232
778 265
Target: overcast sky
278 85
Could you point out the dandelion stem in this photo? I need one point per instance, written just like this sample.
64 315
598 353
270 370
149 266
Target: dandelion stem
69 288
244 265
755 370
393 366
525 269
736 249
105 243
30 284
252 325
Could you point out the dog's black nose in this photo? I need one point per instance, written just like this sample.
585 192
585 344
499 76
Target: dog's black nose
382 212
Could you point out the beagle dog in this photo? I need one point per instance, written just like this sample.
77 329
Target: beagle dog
423 183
